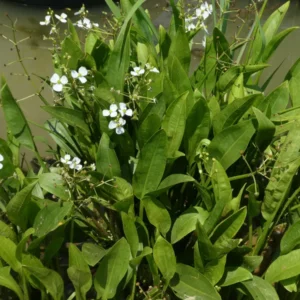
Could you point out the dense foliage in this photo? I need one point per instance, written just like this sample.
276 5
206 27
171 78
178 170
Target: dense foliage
164 183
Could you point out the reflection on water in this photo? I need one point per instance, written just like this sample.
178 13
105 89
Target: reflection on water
28 25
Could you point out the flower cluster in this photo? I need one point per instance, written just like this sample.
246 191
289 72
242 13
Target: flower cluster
196 21
72 163
81 74
86 23
138 71
1 159
118 113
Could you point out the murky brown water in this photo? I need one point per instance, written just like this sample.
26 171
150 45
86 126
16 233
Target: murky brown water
28 24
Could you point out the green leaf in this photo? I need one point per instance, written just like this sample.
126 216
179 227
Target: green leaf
237 90
70 53
284 267
107 161
151 165
18 207
293 76
55 184
197 127
233 112
259 289
8 253
172 180
234 204
290 284
228 228
7 167
50 279
186 223
174 124
290 239
7 231
164 258
265 130
73 33
69 116
22 244
227 146
114 8
214 270
188 282
157 214
15 119
112 268
51 217
130 232
79 272
235 275
92 253
136 261
9 282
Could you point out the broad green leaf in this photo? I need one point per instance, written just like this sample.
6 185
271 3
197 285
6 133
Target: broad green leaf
118 61
69 116
7 231
8 253
9 282
197 127
107 160
214 270
92 253
174 124
235 275
233 112
148 128
137 260
282 174
15 119
18 207
130 232
22 244
157 214
112 268
186 223
251 262
227 146
172 180
188 282
265 130
151 165
237 90
51 217
70 53
290 239
259 289
293 77
228 228
284 267
50 279
234 204
55 184
114 8
290 284
164 257
73 33
79 272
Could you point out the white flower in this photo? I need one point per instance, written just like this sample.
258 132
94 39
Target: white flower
93 167
137 71
58 82
66 159
75 164
204 42
117 125
86 23
1 159
62 17
190 27
124 110
81 10
154 70
112 112
82 72
204 11
46 22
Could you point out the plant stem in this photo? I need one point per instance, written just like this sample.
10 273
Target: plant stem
141 212
133 286
250 231
243 176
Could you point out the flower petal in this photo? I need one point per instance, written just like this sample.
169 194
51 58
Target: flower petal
58 87
113 107
1 166
64 79
55 78
105 112
113 114
154 70
83 71
120 130
112 125
133 73
1 157
78 167
122 122
74 74
129 112
76 160
82 79
64 16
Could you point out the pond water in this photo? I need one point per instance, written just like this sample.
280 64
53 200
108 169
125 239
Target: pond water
28 25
